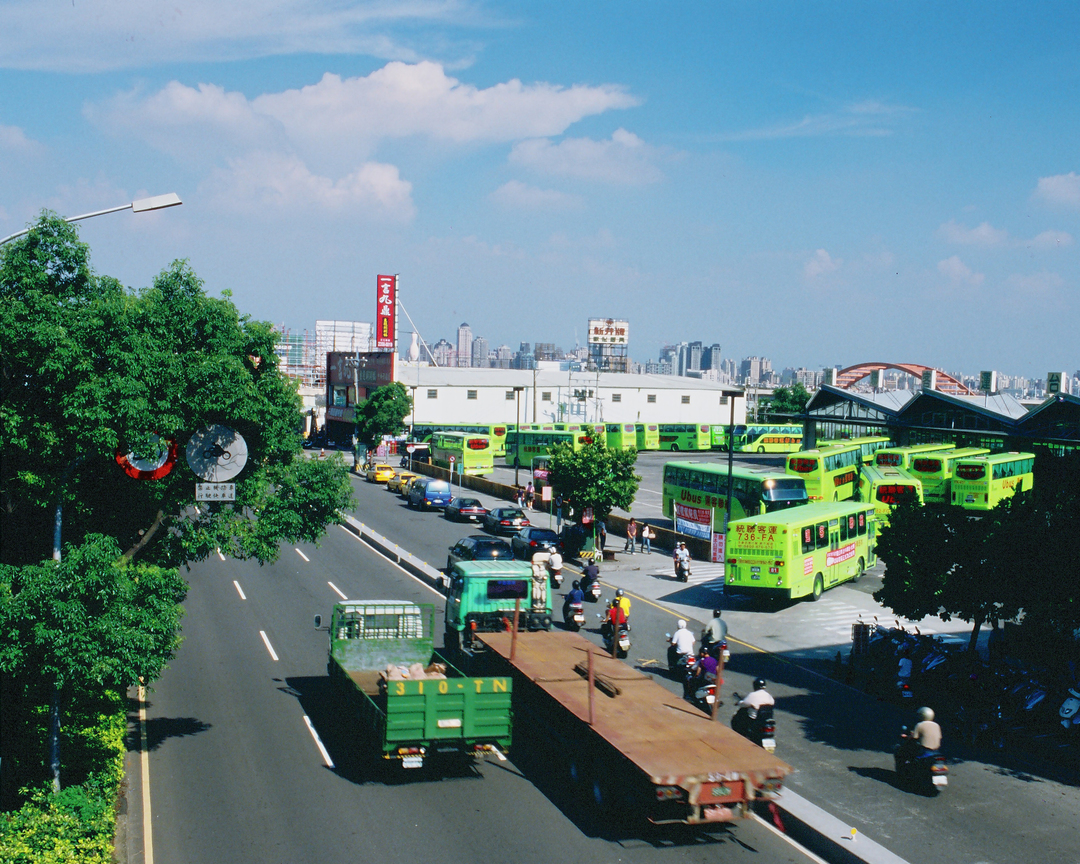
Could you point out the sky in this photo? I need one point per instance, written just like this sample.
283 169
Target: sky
821 184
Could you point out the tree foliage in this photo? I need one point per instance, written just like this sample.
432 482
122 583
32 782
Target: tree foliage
594 476
383 413
785 403
91 369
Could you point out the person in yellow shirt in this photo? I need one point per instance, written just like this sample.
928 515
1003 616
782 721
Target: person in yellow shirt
624 602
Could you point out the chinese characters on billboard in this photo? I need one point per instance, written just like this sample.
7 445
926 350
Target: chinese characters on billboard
384 312
607 331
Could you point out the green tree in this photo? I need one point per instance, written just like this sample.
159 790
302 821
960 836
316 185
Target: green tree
383 413
91 369
594 476
786 403
89 623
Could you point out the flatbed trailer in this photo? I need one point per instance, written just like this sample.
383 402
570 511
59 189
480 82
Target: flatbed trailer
644 752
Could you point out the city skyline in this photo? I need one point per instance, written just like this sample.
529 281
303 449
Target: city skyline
816 184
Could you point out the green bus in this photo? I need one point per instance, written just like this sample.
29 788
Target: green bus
648 436
886 487
868 445
522 446
832 473
495 431
718 437
685 436
934 471
621 436
799 552
762 438
462 452
982 482
900 457
704 485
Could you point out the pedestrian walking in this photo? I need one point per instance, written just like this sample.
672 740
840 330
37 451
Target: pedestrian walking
519 496
601 533
558 513
530 493
646 538
631 536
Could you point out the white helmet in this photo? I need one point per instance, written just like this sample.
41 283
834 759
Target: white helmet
682 623
926 713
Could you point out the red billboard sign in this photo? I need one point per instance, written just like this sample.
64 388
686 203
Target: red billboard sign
385 311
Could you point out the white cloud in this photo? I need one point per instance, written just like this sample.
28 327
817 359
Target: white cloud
1062 189
14 141
957 272
517 195
625 159
1043 286
98 36
354 115
870 118
821 264
271 181
1052 240
984 235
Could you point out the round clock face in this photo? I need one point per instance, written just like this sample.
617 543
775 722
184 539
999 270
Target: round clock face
216 453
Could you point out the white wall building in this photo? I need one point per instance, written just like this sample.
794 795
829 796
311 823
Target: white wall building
461 395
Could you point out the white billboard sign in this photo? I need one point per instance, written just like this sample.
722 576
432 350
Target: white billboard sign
608 331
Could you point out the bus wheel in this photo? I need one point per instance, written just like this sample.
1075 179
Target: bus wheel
859 570
674 448
760 449
819 587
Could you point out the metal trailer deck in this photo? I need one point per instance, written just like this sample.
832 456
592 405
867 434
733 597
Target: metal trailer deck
649 749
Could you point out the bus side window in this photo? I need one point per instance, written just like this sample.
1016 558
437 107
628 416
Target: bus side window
807 539
862 523
843 530
822 529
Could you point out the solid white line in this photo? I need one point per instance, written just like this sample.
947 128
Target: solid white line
144 760
301 554
340 593
318 743
269 647
781 834
393 563
241 590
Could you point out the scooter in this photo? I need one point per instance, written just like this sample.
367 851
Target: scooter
682 571
918 770
621 639
592 592
759 726
574 616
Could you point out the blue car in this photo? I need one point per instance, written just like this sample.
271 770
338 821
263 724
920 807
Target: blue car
430 493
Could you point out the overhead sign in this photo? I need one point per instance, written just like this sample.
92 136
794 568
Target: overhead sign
608 331
386 291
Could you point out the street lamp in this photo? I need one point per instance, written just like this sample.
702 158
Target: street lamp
517 435
356 363
158 202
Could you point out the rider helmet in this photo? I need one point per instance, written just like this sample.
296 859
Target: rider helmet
618 593
716 613
759 683
577 584
926 713
682 623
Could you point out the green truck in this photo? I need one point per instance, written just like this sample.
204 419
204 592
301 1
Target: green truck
481 597
414 703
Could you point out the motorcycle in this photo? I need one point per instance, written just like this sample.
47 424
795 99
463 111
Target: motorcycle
682 571
620 640
917 770
573 616
592 591
758 726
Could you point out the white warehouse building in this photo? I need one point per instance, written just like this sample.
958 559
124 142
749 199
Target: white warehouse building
471 395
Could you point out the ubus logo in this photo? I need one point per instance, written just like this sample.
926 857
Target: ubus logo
846 477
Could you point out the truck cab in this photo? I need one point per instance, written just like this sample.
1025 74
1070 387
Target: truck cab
480 598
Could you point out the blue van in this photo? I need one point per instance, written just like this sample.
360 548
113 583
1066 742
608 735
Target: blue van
430 493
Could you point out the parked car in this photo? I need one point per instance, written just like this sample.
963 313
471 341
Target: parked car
429 493
573 540
398 481
528 541
505 520
478 547
466 510
379 472
407 487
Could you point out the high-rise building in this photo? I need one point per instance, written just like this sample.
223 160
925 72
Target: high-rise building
693 357
444 353
504 357
480 351
464 345
545 351
710 357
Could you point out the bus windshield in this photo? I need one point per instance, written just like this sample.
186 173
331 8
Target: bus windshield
925 465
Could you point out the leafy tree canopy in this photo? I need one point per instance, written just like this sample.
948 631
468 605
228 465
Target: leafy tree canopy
383 413
786 401
91 369
595 476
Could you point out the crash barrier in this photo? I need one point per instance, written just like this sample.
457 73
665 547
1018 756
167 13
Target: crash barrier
389 549
665 538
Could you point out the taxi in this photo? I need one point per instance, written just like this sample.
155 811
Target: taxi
398 481
379 473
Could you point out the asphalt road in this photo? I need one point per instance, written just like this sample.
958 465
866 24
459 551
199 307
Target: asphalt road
236 775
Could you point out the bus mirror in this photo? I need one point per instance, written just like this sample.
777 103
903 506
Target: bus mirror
318 621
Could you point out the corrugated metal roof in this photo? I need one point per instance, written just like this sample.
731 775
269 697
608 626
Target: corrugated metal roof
451 376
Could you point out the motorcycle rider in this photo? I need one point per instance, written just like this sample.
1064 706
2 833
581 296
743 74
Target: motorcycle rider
682 560
714 634
555 566
589 573
624 602
574 595
927 733
750 707
613 620
680 652
705 672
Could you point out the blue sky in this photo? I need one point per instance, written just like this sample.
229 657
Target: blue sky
818 183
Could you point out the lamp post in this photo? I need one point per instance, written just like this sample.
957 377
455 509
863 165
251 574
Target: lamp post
158 202
517 436
412 422
356 363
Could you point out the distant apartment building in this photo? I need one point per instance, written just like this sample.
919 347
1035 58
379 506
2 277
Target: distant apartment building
755 370
504 357
444 353
546 351
710 357
464 345
480 352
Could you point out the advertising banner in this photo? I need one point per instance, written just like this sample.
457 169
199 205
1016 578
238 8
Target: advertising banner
385 311
608 331
693 521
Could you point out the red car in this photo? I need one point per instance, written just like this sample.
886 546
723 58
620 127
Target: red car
466 510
